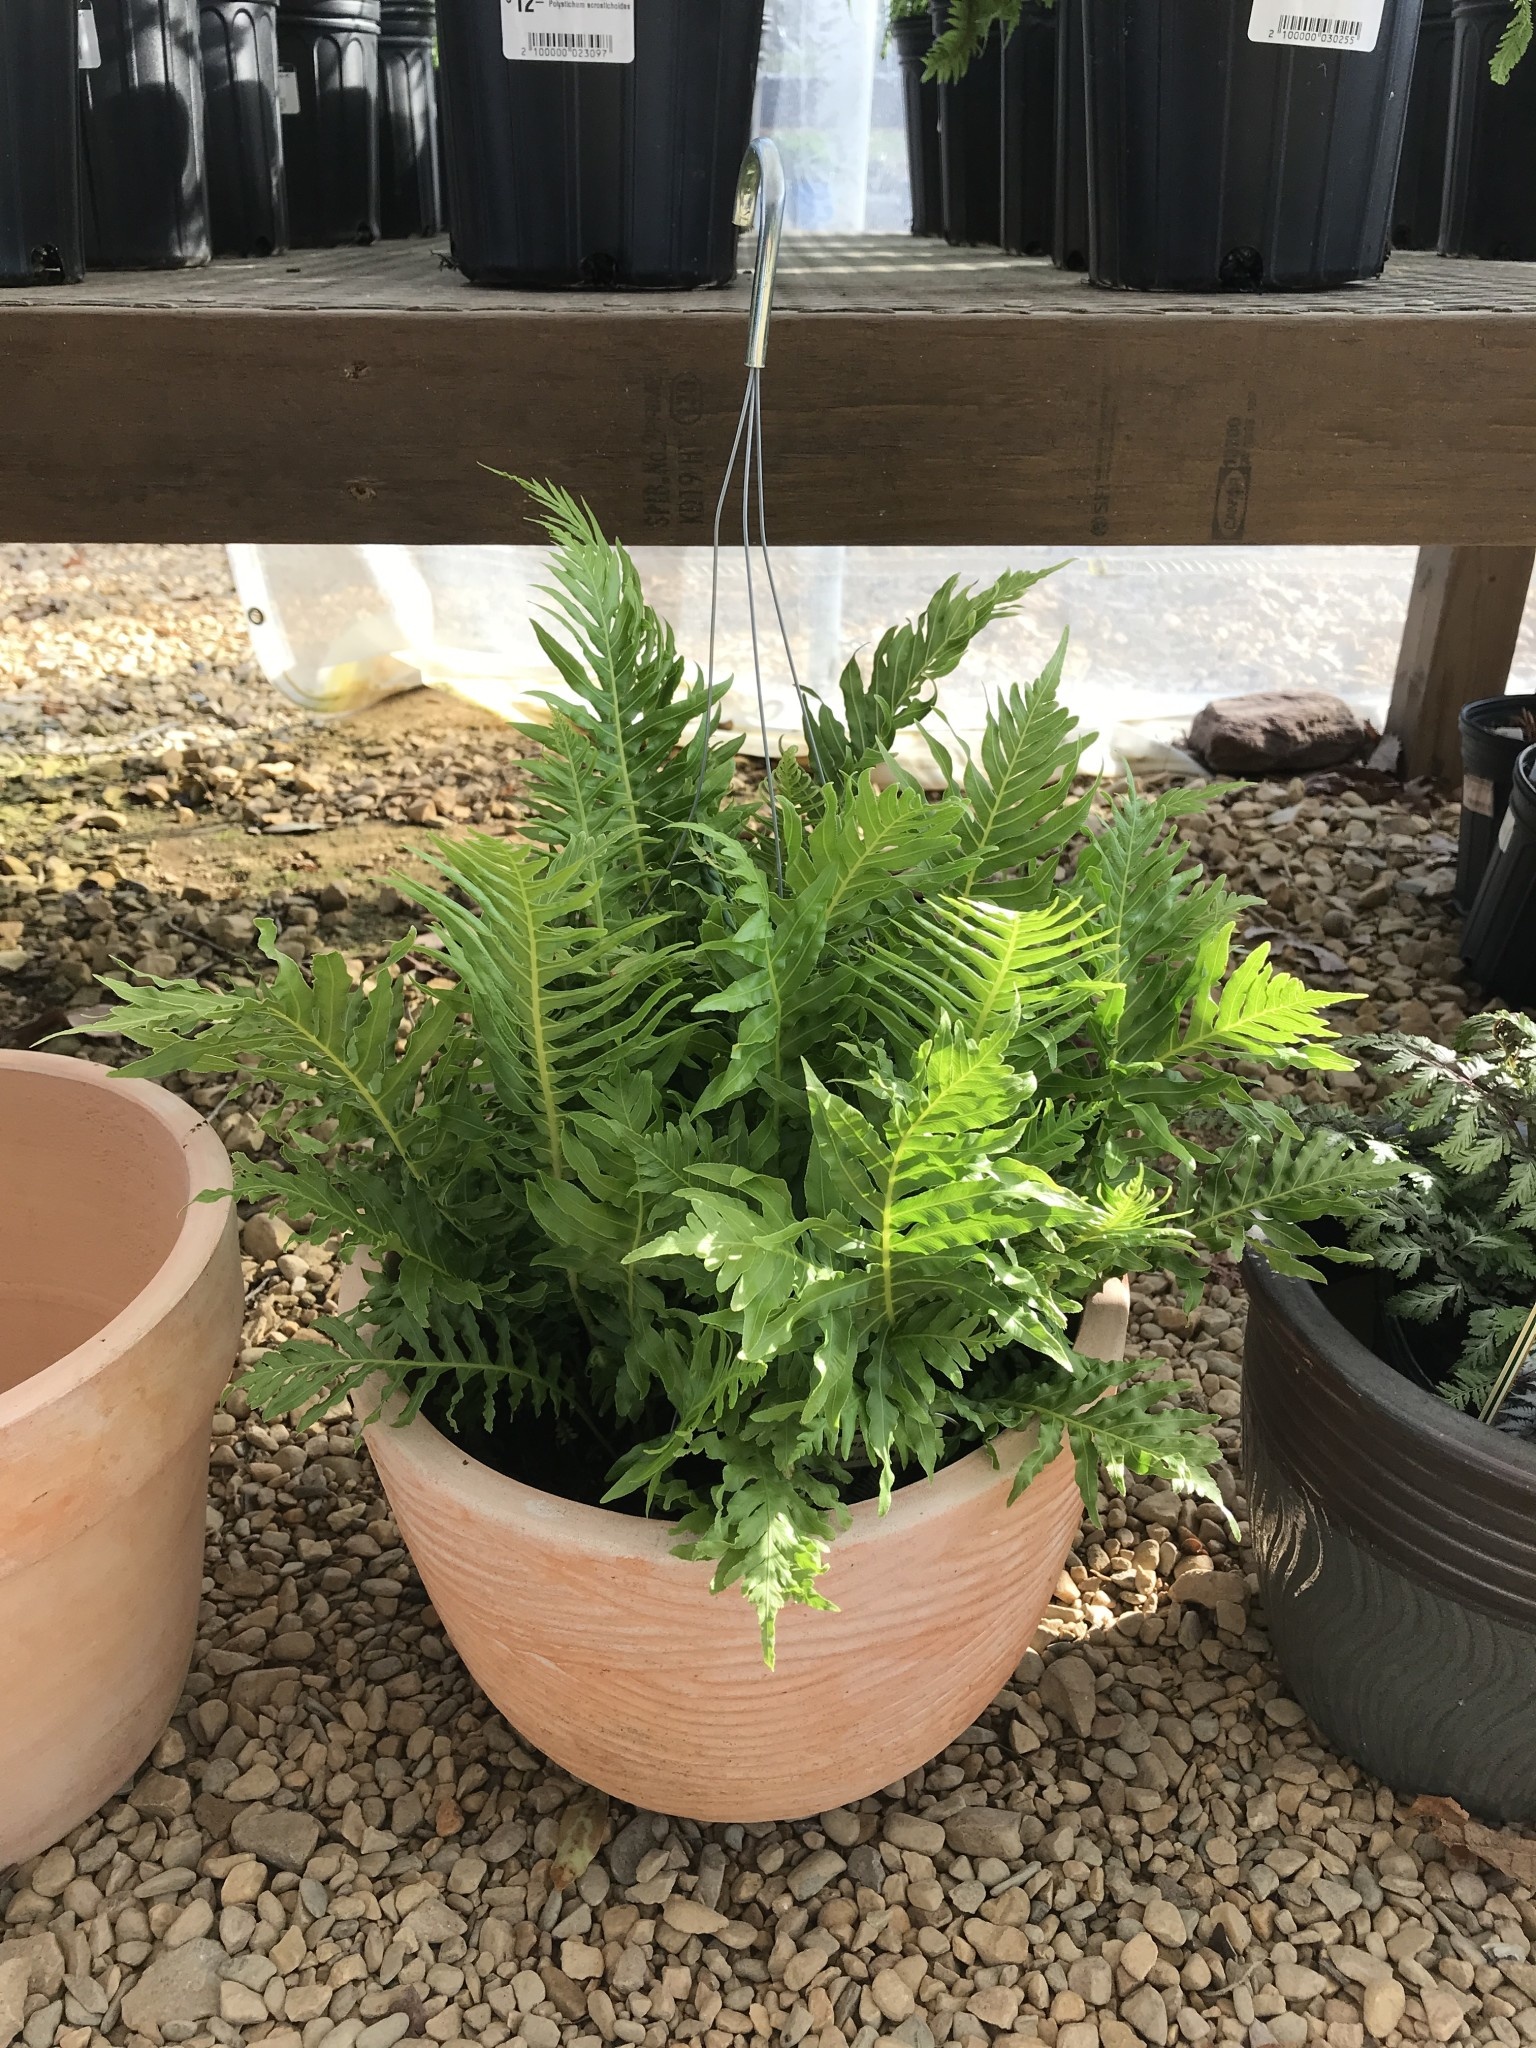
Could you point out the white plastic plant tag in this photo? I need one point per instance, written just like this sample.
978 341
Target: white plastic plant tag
288 92
568 31
89 41
1317 24
1477 795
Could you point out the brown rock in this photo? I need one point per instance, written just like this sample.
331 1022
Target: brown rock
1277 731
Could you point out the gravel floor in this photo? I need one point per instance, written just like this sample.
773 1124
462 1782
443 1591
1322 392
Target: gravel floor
338 1843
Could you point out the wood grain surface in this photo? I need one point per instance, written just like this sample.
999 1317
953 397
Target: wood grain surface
913 395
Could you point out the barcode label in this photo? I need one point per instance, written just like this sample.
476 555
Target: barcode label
568 31
1279 21
288 92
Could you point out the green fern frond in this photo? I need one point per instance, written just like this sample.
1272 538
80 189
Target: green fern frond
1513 43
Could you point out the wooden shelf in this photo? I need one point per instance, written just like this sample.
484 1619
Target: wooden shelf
914 395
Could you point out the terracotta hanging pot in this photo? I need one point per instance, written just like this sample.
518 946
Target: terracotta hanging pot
616 1659
119 1321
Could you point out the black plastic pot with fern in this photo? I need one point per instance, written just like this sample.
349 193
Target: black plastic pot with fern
1389 1431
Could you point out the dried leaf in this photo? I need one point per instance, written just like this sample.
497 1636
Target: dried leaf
1502 1849
583 1828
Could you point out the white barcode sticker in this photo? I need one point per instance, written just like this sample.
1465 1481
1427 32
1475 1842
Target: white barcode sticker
288 92
1324 25
87 38
568 31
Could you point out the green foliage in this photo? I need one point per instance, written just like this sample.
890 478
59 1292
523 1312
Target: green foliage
1514 42
776 1198
1459 1228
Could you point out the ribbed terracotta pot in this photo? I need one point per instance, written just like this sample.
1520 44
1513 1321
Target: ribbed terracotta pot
119 1322
614 1657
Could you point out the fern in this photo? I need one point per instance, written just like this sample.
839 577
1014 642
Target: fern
1460 1225
768 1196
1513 43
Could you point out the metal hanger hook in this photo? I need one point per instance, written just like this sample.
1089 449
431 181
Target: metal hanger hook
760 197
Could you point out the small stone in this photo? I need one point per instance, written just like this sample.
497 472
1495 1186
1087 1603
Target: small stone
180 1984
14 1979
539 2032
160 1797
892 1996
433 1921
580 1961
814 1874
1382 2001
1092 1979
1164 1922
688 1916
1068 1689
281 1837
259 1782
984 1831
1077 2034
905 1830
386 2032
294 1646
1295 1981
240 2006
997 2005
1138 1957
1162 1506
1146 2012
44 1960
1284 1713
191 1924
997 1945
265 1236
305 2002
841 1826
1444 2010
53 1872
634 1840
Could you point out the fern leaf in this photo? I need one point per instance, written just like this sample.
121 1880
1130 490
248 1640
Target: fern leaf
1022 809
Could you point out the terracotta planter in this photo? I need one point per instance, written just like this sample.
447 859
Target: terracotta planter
119 1321
614 1657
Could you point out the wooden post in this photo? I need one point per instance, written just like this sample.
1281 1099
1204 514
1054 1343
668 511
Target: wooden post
1458 643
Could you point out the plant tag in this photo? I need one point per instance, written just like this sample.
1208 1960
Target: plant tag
1328 25
568 31
87 38
288 92
1477 795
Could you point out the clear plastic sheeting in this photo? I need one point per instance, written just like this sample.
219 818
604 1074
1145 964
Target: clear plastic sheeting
1155 632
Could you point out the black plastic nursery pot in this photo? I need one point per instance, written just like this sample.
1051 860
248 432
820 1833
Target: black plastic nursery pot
328 51
247 197
1029 133
144 176
410 197
1421 169
971 144
1069 233
912 36
1396 1547
39 152
1498 940
1216 163
600 172
1490 151
1492 741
